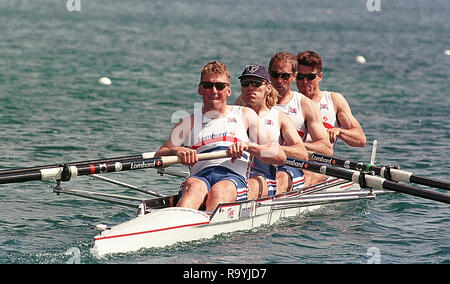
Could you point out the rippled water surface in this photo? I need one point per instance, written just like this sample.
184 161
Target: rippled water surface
52 109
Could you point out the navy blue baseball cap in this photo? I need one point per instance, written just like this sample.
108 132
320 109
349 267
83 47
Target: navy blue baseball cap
255 70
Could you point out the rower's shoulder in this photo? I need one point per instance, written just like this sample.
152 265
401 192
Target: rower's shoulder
306 102
336 97
282 116
339 100
185 121
285 120
246 109
247 113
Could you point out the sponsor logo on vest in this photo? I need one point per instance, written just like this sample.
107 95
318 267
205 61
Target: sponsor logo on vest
292 110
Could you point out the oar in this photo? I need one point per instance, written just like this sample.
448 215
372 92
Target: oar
146 155
389 173
116 182
366 180
67 172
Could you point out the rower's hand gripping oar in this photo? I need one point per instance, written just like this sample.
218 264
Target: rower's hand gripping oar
366 180
387 172
67 172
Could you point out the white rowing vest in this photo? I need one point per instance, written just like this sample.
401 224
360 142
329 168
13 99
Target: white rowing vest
328 112
217 134
294 110
271 121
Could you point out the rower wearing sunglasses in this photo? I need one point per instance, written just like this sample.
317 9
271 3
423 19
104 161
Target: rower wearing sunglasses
306 118
335 110
218 126
258 94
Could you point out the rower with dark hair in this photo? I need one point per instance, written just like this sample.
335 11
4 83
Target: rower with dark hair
335 110
306 117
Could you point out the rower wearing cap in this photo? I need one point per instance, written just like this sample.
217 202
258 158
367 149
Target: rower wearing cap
258 94
218 126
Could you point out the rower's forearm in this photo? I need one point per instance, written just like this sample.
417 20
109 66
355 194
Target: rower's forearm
319 147
166 151
353 137
295 152
270 153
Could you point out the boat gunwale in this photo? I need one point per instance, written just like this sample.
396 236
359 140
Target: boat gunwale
326 185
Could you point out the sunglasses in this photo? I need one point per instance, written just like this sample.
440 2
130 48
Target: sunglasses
208 85
310 76
256 84
275 75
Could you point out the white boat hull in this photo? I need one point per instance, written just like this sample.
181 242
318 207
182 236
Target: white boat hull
164 227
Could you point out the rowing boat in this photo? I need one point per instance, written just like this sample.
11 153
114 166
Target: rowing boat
159 223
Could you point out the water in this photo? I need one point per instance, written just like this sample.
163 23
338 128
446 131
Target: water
53 109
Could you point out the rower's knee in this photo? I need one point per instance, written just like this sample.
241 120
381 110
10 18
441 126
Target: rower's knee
284 182
257 187
221 192
193 193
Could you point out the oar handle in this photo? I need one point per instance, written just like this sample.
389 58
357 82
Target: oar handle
172 160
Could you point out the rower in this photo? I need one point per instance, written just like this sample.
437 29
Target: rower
306 117
218 126
336 113
258 93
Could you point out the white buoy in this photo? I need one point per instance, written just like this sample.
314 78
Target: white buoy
447 52
360 59
105 81
101 227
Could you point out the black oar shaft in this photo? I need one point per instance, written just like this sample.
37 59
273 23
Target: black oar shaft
69 171
20 177
80 169
367 180
403 188
98 161
430 182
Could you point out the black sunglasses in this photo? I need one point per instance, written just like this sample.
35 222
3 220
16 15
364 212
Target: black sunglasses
256 84
310 76
275 75
219 85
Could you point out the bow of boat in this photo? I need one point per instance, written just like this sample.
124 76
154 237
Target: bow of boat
153 227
